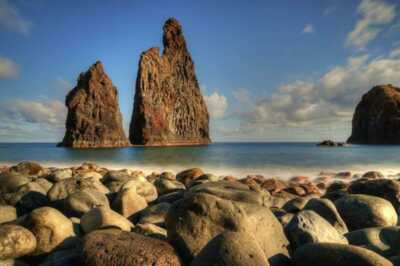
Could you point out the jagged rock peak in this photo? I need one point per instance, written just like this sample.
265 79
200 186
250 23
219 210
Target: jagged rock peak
169 108
94 119
376 119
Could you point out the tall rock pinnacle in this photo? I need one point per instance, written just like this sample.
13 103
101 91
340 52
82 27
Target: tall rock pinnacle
94 119
377 117
168 108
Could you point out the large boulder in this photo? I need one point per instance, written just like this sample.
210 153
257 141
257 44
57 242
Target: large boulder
189 175
15 242
328 254
83 201
28 168
382 240
11 181
143 188
112 247
62 189
165 186
363 211
128 202
194 221
308 227
51 228
385 188
155 214
375 119
232 191
327 210
7 213
60 174
232 249
168 107
104 217
94 118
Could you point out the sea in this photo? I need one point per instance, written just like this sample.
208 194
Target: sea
270 159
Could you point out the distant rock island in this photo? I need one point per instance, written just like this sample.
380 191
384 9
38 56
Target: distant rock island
94 119
331 143
168 108
377 117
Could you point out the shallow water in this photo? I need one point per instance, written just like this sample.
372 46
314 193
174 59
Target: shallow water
239 159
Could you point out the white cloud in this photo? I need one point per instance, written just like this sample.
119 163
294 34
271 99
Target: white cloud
8 68
374 14
216 104
319 105
23 119
10 19
309 28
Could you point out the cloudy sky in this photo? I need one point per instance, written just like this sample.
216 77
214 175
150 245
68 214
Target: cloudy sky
270 70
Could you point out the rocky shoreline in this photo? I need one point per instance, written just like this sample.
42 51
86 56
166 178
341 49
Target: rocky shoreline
90 215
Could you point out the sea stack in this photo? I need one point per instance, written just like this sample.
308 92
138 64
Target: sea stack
377 117
168 108
94 119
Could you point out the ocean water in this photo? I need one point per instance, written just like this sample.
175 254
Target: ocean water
238 159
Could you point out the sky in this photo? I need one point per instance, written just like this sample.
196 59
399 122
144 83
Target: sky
269 70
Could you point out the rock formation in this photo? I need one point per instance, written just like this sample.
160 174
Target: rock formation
377 117
94 119
169 108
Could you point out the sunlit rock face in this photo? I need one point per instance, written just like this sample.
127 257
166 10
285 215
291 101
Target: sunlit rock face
94 119
377 117
169 108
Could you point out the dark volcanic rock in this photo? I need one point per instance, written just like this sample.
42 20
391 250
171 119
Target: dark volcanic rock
377 117
169 108
94 119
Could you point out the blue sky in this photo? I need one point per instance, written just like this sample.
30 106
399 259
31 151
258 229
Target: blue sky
269 70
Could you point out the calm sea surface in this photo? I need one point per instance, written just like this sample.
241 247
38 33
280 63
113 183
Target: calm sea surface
240 159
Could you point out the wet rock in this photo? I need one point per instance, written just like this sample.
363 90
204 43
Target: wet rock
15 242
385 188
233 249
327 210
363 211
373 175
155 214
83 201
128 202
189 175
103 217
10 181
328 254
7 213
27 168
142 187
94 119
62 189
60 174
193 222
151 230
105 247
382 240
308 227
232 191
165 186
51 228
168 107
